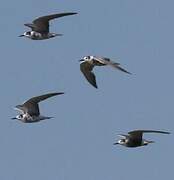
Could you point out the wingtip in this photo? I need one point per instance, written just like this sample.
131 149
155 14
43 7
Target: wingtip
129 73
95 86
167 132
149 131
74 13
60 93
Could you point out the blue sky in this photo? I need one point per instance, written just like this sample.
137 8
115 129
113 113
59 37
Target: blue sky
78 143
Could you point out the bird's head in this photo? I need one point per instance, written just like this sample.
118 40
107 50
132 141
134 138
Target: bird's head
26 34
86 58
120 141
19 117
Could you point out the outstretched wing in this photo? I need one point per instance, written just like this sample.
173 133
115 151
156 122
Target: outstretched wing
137 134
86 69
31 106
20 109
41 24
123 136
107 61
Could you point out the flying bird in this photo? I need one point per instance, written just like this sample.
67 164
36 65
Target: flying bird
40 27
135 138
89 62
30 109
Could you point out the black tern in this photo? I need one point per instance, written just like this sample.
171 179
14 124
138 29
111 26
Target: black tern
30 109
135 138
89 62
40 27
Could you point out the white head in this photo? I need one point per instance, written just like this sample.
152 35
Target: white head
121 142
33 35
26 34
19 117
86 58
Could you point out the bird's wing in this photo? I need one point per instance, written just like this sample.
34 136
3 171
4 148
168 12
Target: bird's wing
137 134
20 108
86 69
31 106
41 24
38 99
99 61
123 136
107 61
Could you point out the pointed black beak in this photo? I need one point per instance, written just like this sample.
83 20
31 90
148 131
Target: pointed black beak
115 143
50 117
81 60
21 35
13 118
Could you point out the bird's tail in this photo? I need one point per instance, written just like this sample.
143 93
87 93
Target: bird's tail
123 70
151 141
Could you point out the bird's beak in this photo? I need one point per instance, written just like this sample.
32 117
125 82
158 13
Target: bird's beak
116 143
81 60
21 35
13 118
50 117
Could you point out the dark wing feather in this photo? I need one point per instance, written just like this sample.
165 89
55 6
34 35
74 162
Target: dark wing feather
121 69
21 109
41 24
31 106
137 134
107 61
37 99
86 69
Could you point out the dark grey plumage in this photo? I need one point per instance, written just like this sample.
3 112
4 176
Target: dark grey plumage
89 62
40 27
135 138
31 106
41 24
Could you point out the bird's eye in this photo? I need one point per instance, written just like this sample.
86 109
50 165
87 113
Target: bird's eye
28 33
87 57
20 116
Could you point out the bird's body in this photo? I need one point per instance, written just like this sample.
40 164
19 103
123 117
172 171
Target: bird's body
40 27
134 138
40 36
89 62
30 109
27 118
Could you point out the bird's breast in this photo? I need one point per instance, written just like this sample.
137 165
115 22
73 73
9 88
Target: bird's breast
37 36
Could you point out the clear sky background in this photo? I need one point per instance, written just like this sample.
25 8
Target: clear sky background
78 143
